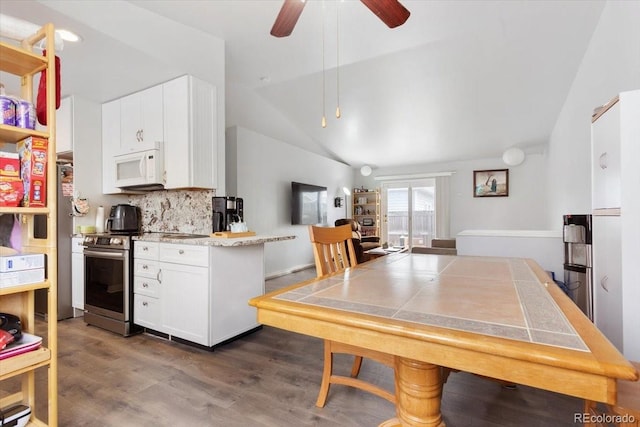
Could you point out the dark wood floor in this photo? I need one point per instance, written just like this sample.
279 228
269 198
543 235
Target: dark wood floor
268 378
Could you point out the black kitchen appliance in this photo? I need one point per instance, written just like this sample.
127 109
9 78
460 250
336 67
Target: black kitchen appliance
123 219
226 210
577 237
108 282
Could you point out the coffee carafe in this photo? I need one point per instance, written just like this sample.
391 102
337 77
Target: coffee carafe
226 210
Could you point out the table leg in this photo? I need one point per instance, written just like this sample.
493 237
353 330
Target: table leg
418 394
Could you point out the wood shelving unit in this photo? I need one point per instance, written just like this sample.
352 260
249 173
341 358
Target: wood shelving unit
25 63
366 210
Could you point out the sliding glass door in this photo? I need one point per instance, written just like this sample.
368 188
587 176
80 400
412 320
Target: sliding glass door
409 212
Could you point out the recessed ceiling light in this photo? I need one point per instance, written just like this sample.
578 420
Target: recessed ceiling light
68 35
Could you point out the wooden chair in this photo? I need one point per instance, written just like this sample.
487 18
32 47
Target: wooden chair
330 248
626 411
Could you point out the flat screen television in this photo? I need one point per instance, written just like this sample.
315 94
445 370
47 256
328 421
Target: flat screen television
308 204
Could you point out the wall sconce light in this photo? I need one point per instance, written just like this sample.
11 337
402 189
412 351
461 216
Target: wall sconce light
337 201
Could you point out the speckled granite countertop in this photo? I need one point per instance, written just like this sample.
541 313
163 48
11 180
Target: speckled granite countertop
210 241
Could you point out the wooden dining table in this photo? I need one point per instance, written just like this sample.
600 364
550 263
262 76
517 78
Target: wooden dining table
502 318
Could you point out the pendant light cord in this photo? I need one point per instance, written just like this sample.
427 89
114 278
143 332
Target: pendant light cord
338 60
324 116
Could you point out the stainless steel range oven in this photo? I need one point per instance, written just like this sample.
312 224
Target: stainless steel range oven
108 283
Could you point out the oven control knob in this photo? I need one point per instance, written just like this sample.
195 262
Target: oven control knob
88 239
116 241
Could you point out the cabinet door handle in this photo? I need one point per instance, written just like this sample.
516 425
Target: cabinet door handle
144 304
145 267
604 282
159 276
145 285
603 160
145 248
181 251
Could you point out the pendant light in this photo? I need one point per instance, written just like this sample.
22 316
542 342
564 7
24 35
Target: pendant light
338 60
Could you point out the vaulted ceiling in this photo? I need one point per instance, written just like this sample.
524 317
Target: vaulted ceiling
459 80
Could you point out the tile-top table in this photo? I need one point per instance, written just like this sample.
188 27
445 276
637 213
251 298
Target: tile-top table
499 317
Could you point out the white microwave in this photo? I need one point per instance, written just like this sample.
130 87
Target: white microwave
143 170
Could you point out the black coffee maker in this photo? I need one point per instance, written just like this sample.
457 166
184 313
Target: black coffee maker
226 210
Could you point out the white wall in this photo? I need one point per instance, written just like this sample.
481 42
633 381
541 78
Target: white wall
611 64
262 169
524 208
87 166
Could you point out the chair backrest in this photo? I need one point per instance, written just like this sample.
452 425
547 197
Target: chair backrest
332 249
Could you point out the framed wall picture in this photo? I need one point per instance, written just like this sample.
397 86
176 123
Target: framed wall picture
491 183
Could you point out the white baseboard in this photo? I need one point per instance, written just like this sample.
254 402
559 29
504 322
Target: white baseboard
289 271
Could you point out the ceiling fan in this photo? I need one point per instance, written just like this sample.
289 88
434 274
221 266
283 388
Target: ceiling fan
391 12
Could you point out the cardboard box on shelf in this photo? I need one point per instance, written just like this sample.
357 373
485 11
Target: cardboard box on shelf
21 261
21 269
11 190
22 277
33 170
9 165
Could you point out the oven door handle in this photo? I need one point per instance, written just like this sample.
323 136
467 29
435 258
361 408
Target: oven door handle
115 255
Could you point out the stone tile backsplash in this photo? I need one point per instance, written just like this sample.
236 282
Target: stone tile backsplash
184 211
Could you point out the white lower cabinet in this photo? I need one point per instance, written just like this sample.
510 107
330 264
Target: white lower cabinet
185 301
607 278
146 286
77 275
147 311
197 293
171 290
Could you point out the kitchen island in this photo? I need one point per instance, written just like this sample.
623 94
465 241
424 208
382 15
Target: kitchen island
197 289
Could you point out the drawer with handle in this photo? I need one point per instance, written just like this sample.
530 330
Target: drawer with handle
145 250
146 286
146 311
146 268
184 254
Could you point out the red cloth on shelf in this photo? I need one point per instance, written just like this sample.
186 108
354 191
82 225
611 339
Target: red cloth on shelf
41 102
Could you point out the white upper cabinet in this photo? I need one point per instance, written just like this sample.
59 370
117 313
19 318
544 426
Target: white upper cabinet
605 173
180 118
110 145
190 131
141 119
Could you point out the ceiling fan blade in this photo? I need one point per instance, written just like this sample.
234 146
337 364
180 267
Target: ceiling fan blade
391 12
287 18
